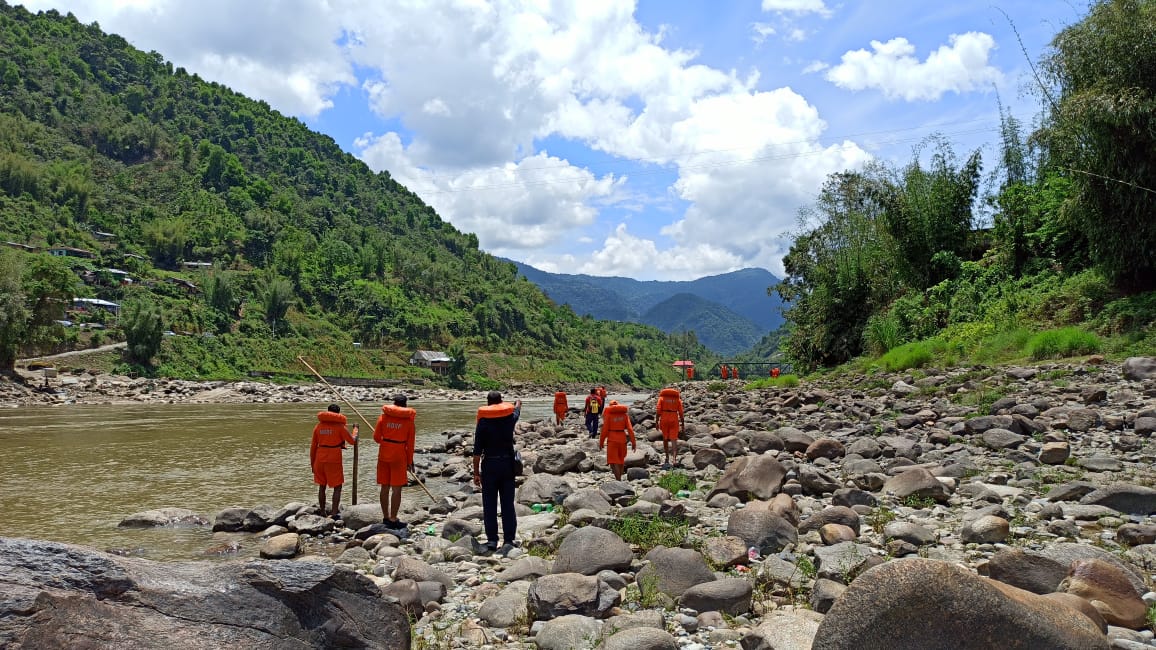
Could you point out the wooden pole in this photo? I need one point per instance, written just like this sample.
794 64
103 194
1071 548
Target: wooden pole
368 426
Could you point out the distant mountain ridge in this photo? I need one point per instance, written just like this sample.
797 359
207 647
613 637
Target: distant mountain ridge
729 313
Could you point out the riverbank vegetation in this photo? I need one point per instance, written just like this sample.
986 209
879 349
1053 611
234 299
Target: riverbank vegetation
1045 256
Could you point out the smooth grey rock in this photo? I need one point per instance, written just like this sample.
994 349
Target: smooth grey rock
766 531
558 460
281 547
640 638
729 596
569 632
591 549
674 570
1139 368
63 596
889 607
589 499
918 483
757 477
529 566
508 607
559 594
1123 497
419 571
543 488
163 517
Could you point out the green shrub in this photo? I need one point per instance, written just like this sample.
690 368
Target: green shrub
882 333
782 381
649 532
910 355
1001 345
1064 342
675 481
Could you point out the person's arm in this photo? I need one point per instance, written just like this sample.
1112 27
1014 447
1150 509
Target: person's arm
630 430
379 430
410 442
348 437
313 449
517 409
602 437
478 454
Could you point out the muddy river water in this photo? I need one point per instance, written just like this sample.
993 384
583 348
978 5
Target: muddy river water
73 472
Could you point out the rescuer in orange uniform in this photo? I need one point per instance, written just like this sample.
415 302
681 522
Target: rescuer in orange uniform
329 438
395 435
615 428
670 422
560 407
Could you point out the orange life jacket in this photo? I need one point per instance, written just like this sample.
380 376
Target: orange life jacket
669 403
560 404
499 410
395 433
616 424
329 438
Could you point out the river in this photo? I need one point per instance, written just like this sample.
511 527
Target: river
73 472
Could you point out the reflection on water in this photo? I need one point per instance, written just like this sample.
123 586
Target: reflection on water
75 471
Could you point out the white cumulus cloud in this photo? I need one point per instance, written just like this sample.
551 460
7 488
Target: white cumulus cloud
892 68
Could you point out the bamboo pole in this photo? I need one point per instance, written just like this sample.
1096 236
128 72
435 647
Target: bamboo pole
368 426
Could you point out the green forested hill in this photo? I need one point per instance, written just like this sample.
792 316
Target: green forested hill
111 150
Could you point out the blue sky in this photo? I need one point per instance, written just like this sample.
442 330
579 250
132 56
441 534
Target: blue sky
656 139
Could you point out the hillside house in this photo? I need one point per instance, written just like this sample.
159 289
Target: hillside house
439 362
19 246
69 251
90 304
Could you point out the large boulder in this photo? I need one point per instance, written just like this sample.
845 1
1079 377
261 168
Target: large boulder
362 515
729 596
589 499
544 488
508 607
766 531
558 460
783 630
640 638
934 605
1123 497
1139 368
674 570
918 483
751 477
589 550
561 594
1107 587
63 596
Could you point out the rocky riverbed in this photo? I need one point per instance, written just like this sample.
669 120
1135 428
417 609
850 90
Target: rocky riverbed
966 508
84 387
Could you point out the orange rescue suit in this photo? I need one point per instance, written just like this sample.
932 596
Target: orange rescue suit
670 412
616 425
395 434
560 404
329 438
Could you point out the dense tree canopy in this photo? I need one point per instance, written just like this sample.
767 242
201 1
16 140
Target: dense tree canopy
113 150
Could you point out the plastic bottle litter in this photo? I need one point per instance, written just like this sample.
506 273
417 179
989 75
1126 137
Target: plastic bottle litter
684 493
752 553
431 530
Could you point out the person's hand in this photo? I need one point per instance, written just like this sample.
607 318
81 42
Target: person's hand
412 468
477 479
600 445
634 447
